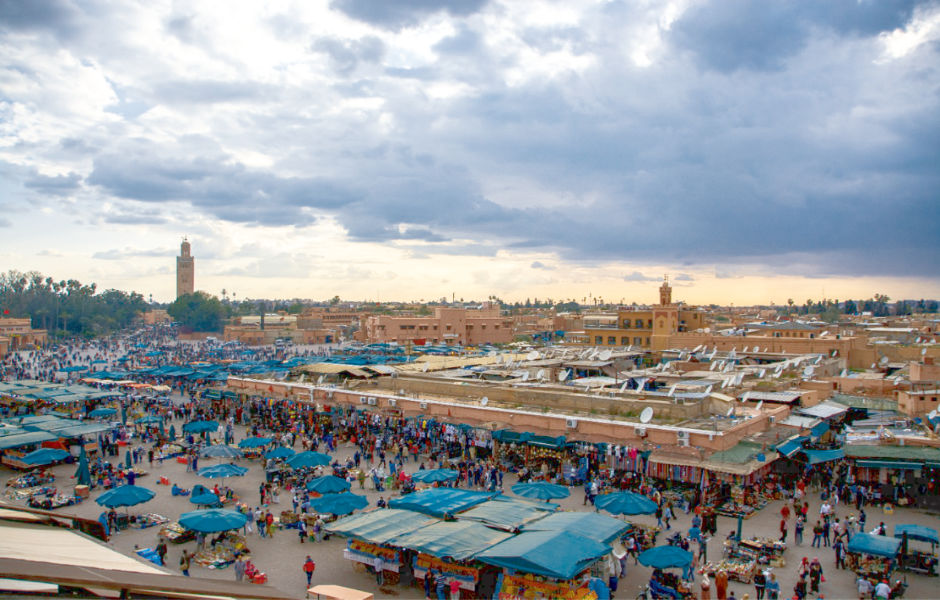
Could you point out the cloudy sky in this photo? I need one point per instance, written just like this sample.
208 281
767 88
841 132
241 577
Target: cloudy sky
412 149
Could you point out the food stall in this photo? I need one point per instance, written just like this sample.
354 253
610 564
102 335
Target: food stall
175 533
737 569
916 559
764 551
645 535
872 556
222 550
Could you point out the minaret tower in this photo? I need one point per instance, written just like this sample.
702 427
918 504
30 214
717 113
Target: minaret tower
665 292
185 271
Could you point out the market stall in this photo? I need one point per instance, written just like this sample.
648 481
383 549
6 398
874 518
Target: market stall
220 551
872 556
34 478
763 551
175 533
664 584
645 535
918 560
52 500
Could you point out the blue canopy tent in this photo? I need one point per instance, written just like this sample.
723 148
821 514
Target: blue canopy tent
876 545
434 475
458 540
820 456
212 520
125 495
104 411
510 514
148 419
379 526
44 456
440 502
625 503
792 446
541 490
308 459
557 554
328 484
596 526
339 504
223 470
254 442
220 451
917 532
665 557
279 452
205 499
200 426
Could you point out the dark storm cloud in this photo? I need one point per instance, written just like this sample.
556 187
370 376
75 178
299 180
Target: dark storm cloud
345 55
398 14
754 34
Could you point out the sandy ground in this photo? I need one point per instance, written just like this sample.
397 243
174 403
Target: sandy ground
281 557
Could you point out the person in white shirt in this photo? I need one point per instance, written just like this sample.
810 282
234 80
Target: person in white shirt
882 590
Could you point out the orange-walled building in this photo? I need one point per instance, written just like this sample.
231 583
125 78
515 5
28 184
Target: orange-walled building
455 326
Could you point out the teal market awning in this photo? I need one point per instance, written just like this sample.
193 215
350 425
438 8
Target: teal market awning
440 502
791 447
557 554
598 527
820 456
22 439
459 540
380 525
819 429
877 545
504 513
544 441
917 532
889 464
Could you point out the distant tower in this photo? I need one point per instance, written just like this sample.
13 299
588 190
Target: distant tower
665 292
185 271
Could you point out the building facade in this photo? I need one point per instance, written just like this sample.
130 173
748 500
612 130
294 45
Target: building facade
647 328
455 326
185 271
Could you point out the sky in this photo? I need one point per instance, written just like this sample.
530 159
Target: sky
411 150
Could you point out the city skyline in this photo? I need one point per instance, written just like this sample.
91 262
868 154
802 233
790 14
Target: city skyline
426 149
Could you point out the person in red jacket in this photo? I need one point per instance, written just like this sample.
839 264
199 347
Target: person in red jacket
309 568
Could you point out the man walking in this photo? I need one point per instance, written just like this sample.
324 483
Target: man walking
309 568
239 568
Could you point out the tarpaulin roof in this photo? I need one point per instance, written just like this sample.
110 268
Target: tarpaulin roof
878 545
440 502
21 439
825 410
598 527
819 429
380 525
820 456
459 540
888 464
899 452
506 513
792 446
917 532
557 554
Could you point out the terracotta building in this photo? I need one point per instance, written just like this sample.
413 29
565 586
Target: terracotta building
647 328
457 326
16 334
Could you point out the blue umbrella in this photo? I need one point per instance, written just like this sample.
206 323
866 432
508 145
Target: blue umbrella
254 442
665 557
125 495
339 504
212 520
435 475
83 473
279 452
102 412
44 456
148 419
220 451
540 490
223 470
205 499
200 426
328 484
625 503
308 459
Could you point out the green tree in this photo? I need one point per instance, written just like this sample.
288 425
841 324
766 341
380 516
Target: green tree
198 311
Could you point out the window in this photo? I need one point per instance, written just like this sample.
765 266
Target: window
639 323
649 324
599 340
638 341
626 323
611 340
647 341
625 340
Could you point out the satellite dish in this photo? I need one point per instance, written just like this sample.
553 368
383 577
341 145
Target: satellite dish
708 330
730 412
564 375
484 401
712 367
491 353
923 351
525 376
540 375
672 390
320 379
605 355
647 415
532 355
884 360
624 386
745 349
808 372
760 405
425 367
761 374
